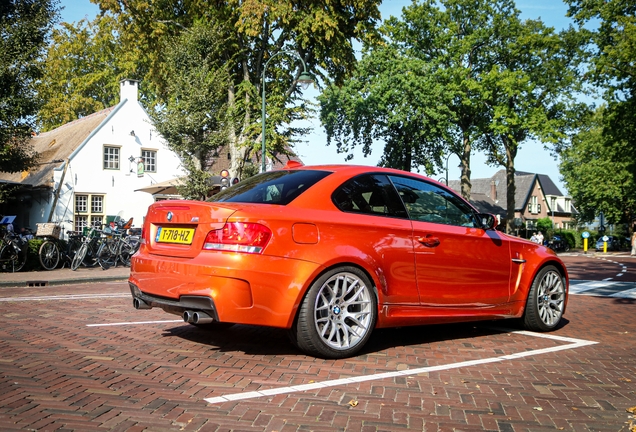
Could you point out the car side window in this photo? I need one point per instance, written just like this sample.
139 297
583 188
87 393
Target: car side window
369 194
427 202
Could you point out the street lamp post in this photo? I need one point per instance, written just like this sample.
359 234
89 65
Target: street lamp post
447 157
304 79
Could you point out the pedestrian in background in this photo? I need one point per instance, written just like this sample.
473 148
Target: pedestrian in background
540 238
634 243
533 239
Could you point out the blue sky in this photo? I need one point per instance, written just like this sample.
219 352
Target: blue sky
532 156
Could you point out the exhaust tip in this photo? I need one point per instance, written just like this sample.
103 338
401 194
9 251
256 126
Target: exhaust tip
201 318
140 304
187 316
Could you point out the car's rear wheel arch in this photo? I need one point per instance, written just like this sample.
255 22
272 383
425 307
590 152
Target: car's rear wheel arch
345 267
332 267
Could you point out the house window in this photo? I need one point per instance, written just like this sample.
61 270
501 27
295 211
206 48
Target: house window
97 221
149 158
553 203
97 204
533 207
111 157
567 205
81 203
82 214
81 222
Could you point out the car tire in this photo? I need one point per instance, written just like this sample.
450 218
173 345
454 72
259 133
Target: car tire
337 315
546 300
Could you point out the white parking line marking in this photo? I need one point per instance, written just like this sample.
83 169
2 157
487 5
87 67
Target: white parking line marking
625 294
64 297
133 323
572 344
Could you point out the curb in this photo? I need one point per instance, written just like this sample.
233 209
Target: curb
44 283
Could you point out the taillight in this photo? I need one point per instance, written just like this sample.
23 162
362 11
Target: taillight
239 237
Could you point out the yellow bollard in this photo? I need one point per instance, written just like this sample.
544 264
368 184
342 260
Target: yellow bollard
584 245
604 247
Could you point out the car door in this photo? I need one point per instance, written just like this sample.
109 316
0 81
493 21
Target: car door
377 221
458 264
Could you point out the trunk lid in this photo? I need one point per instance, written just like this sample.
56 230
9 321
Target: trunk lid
178 228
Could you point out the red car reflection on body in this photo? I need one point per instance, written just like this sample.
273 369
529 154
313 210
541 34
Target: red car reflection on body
333 252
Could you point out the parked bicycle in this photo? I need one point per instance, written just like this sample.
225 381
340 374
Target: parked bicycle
53 250
90 243
117 245
13 252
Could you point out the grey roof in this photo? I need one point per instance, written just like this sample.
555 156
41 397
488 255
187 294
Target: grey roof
549 188
524 183
484 204
55 146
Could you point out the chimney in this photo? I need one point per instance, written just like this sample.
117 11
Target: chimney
128 89
493 191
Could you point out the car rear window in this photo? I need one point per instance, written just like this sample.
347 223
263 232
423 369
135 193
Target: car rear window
273 187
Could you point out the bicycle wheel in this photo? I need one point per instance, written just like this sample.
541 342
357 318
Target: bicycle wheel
79 257
126 251
21 257
49 255
10 259
5 258
105 257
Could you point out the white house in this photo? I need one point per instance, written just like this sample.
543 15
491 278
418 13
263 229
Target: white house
92 167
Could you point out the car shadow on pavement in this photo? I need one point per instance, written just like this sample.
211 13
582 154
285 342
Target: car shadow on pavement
255 340
246 339
625 301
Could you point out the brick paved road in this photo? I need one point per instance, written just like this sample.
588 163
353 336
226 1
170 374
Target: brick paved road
57 373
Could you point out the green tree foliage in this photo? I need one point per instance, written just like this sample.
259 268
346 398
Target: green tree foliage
195 119
321 33
597 172
472 76
530 93
84 64
613 70
456 38
392 98
24 28
545 226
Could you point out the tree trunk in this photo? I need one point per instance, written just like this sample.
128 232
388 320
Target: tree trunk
511 153
465 163
236 147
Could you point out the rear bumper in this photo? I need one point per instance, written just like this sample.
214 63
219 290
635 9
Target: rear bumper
177 307
229 287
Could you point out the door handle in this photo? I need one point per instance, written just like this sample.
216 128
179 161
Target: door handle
429 241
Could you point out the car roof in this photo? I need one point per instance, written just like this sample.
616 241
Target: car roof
360 169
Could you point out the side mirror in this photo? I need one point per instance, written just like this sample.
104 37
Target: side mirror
488 221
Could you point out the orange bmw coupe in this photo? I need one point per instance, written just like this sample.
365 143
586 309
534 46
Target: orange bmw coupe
333 252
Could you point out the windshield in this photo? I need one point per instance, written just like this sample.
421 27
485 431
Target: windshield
273 187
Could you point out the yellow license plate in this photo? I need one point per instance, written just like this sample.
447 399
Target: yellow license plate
175 235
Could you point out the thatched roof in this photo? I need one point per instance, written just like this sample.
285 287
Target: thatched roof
55 146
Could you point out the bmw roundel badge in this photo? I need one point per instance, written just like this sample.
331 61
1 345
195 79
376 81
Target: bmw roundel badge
169 216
